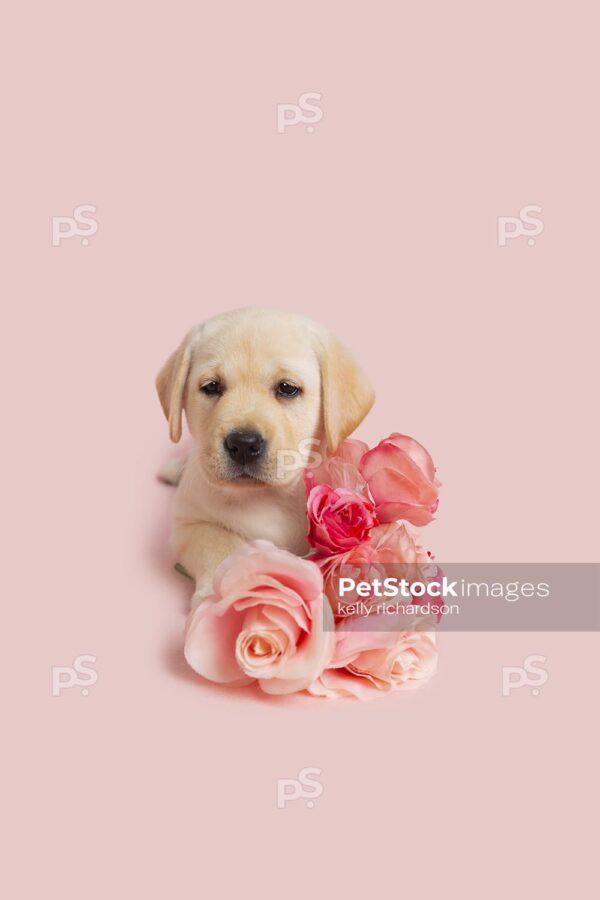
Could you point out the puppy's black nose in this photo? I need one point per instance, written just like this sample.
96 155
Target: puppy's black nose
245 446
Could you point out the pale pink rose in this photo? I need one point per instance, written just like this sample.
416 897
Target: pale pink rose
341 469
392 551
266 621
365 662
351 451
401 477
338 519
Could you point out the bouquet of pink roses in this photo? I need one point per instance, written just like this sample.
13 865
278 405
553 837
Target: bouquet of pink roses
275 618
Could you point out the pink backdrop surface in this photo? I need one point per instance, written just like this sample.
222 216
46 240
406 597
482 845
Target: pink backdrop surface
382 223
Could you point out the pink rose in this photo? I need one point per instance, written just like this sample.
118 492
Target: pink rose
365 662
401 477
338 519
266 621
341 469
392 550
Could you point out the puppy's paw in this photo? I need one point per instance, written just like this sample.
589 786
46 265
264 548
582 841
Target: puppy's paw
204 589
172 471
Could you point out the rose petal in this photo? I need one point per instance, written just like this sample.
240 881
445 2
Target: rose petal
313 653
416 451
210 641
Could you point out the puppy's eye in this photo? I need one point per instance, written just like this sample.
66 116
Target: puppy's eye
285 389
212 388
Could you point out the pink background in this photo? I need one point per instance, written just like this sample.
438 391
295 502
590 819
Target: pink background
438 118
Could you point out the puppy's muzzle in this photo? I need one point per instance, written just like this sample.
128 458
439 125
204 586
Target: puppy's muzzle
245 446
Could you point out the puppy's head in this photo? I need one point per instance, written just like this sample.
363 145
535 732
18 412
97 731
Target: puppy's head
257 387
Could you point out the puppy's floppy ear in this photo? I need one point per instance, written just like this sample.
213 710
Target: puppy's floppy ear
170 384
347 395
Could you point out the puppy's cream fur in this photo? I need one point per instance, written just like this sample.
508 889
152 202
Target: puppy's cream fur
249 351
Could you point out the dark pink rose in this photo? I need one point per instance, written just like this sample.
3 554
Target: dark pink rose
338 518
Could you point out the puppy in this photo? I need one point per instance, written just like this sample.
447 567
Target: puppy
261 390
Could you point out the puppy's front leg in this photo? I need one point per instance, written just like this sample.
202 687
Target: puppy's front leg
200 548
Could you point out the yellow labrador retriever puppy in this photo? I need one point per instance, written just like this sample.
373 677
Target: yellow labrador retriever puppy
261 389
